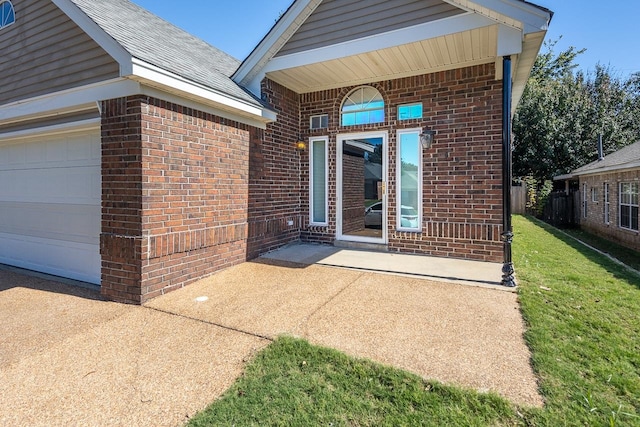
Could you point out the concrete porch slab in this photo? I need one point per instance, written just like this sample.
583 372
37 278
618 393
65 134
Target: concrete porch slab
448 270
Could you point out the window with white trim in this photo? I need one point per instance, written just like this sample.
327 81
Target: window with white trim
318 181
607 203
409 181
362 106
410 111
7 14
594 194
320 121
629 205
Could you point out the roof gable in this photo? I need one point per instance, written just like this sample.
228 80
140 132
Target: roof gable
337 21
322 44
45 51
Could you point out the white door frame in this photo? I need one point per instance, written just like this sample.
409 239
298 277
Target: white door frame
340 138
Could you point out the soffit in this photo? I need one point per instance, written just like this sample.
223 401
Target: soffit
460 49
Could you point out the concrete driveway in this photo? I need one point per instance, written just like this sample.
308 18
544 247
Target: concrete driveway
68 358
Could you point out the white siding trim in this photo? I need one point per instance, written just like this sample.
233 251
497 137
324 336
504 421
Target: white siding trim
67 101
63 128
525 16
288 24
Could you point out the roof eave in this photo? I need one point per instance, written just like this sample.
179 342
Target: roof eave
143 72
614 168
149 74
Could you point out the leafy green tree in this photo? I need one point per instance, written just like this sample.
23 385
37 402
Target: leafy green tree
563 111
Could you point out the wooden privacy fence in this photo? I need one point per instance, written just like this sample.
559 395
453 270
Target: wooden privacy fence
562 210
519 199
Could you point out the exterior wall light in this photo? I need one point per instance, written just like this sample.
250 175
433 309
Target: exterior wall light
301 145
426 138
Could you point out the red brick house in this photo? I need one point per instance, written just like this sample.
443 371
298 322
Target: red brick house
138 157
609 190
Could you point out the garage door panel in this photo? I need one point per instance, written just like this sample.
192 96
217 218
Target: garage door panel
55 152
77 185
50 210
71 223
51 256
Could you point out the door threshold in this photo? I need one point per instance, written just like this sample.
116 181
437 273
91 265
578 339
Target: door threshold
346 244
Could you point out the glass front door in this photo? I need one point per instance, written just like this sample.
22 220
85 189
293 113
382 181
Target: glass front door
362 210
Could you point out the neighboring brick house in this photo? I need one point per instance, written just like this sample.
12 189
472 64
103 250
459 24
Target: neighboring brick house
609 198
138 157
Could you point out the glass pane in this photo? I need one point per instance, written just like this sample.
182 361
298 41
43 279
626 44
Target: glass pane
634 218
362 117
7 16
624 195
362 191
409 180
319 188
376 116
406 112
348 119
625 220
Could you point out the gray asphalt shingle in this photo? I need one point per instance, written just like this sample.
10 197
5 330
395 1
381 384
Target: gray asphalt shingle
151 39
625 155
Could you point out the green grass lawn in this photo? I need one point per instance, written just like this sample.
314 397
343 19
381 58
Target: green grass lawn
583 318
626 255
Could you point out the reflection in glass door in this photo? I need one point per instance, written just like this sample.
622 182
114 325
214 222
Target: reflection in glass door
361 199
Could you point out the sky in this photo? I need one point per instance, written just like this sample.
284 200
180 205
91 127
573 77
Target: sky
609 31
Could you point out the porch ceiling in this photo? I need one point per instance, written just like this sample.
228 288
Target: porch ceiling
460 49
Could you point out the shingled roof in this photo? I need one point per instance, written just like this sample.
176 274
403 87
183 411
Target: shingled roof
625 158
155 41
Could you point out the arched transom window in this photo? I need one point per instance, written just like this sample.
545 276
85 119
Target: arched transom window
361 106
7 14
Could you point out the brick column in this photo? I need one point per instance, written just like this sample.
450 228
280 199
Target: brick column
121 238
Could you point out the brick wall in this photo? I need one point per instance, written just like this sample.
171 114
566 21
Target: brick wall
175 196
274 175
121 243
462 191
595 220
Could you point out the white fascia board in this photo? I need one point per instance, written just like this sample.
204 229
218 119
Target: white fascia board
509 41
67 101
63 128
416 33
93 30
274 40
150 73
532 18
202 106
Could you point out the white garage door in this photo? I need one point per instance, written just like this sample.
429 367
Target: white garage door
50 190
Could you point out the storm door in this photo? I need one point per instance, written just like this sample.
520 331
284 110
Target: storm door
361 196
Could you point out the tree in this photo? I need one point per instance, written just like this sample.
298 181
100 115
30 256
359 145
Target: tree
562 112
